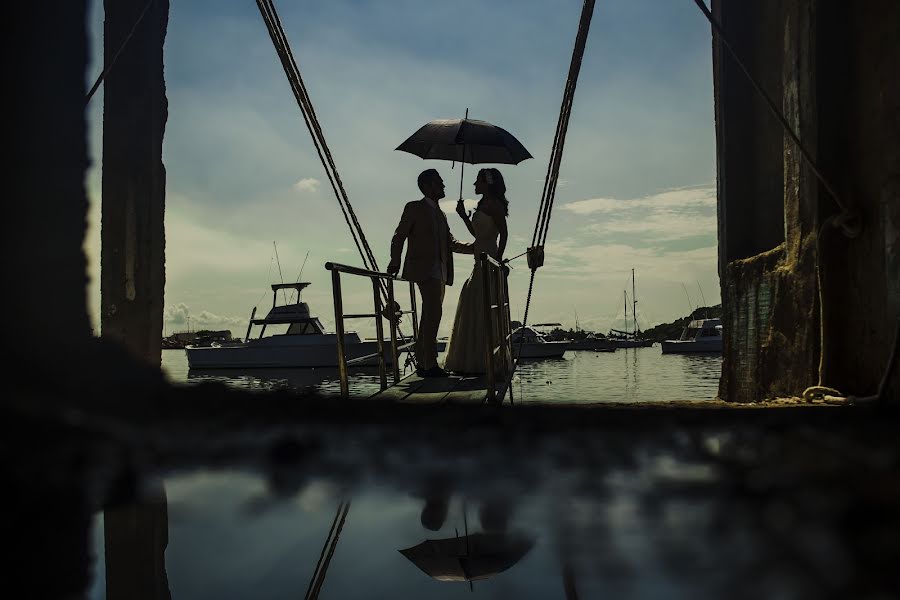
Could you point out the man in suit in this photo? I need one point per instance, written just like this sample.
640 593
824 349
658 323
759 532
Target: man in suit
429 263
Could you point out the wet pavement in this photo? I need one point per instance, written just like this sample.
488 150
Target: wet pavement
339 500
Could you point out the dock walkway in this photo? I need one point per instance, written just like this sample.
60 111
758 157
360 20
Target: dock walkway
452 389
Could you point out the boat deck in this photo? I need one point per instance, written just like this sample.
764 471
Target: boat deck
452 389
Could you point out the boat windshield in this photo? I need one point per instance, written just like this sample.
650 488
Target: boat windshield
308 327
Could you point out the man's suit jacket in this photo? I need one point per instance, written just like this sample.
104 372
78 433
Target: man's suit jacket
417 228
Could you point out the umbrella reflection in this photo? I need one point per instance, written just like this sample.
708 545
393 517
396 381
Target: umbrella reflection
469 557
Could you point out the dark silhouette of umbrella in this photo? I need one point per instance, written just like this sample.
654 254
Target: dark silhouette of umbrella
468 558
465 141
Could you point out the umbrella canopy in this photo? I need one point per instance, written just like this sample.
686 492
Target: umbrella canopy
465 140
468 558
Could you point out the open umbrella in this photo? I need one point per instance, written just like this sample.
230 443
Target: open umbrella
468 558
465 141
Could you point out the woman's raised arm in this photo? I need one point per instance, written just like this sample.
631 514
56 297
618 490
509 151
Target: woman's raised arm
461 211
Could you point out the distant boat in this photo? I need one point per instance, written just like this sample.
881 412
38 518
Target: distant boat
700 335
625 339
629 339
304 344
592 342
534 344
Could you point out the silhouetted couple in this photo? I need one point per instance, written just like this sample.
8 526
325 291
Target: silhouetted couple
429 263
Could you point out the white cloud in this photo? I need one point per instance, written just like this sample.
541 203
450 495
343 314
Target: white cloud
307 184
662 226
680 198
181 315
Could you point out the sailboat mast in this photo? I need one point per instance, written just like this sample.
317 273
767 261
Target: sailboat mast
625 296
634 304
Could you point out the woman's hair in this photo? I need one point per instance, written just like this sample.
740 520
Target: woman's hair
496 186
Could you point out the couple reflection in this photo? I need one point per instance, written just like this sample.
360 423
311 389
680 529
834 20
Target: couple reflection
136 539
473 555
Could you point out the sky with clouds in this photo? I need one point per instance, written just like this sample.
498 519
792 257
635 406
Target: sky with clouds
637 185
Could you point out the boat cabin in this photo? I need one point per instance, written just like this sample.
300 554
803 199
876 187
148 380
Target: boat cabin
296 315
528 335
699 329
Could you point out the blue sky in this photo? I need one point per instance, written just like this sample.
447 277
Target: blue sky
638 173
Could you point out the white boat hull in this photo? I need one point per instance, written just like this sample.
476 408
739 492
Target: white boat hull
686 346
283 351
540 349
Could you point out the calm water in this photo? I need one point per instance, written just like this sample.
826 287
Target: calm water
626 375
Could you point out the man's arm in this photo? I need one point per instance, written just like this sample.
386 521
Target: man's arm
461 247
400 235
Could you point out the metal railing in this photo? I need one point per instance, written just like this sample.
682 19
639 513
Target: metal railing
498 341
393 315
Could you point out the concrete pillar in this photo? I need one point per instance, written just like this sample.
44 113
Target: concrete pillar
45 270
832 69
134 118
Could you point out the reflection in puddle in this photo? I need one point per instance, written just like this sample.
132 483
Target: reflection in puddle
407 511
224 543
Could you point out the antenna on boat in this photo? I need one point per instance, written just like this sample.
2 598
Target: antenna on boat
278 262
300 274
703 298
688 299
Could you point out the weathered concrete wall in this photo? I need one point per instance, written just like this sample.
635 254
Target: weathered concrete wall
133 235
836 67
749 139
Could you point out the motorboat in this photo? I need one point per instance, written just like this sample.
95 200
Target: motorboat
534 344
700 335
305 343
592 342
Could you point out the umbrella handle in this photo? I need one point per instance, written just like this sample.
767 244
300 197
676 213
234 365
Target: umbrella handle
462 163
462 168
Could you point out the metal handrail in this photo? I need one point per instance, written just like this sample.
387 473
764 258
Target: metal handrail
496 298
392 315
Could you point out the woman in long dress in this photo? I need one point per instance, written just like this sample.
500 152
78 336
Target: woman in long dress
466 351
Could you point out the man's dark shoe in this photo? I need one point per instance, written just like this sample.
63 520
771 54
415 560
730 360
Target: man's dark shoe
435 372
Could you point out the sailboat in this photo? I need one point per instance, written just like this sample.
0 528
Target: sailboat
629 339
590 341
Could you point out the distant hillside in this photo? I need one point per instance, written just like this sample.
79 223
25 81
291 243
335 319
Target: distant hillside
672 331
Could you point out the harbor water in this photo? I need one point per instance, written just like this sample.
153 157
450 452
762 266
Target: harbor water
626 375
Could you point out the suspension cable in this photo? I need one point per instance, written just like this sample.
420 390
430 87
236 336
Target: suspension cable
298 87
559 138
279 39
548 195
